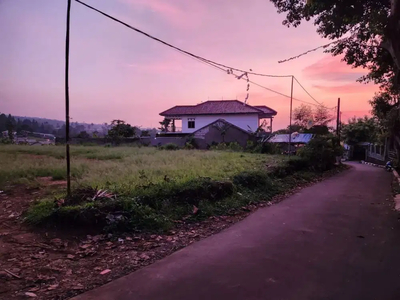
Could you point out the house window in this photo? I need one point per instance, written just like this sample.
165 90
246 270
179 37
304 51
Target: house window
191 123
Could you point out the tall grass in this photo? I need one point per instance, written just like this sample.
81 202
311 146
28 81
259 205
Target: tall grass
122 169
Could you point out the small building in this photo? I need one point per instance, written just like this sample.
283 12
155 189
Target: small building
297 140
221 131
187 119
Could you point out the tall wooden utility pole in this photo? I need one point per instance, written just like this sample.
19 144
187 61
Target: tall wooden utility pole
338 119
67 100
290 120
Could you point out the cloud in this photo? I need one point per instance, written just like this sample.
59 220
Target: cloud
175 12
332 69
352 88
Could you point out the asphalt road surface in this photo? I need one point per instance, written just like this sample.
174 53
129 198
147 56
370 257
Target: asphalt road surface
338 239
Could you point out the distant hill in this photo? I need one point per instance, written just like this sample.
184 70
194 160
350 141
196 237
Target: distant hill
89 127
55 123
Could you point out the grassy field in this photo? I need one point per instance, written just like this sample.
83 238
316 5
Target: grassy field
122 169
151 188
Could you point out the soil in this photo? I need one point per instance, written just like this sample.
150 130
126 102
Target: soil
52 264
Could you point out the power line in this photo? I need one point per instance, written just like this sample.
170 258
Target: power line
309 51
228 68
221 67
304 89
281 94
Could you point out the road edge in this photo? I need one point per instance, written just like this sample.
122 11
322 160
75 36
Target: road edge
397 196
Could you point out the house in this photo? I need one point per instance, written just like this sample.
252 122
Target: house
188 119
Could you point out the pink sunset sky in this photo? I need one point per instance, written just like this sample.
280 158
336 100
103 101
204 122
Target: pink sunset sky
118 74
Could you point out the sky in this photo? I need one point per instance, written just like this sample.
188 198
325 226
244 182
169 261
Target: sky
116 73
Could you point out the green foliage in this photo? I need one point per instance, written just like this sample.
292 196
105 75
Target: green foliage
83 135
189 146
365 22
360 130
153 188
120 129
233 146
252 179
169 146
40 212
165 125
267 148
321 152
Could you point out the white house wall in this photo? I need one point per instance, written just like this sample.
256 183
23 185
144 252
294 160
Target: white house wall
242 121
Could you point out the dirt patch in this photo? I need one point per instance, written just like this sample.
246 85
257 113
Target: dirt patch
48 181
55 265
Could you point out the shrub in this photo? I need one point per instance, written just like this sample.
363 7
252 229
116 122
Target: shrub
320 152
266 148
189 192
169 146
189 146
233 146
252 179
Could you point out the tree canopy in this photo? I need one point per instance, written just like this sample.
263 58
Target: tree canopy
366 32
120 129
306 117
360 130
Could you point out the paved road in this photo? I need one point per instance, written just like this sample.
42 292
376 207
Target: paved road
339 239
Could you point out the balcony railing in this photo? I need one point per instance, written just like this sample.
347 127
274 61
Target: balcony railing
172 130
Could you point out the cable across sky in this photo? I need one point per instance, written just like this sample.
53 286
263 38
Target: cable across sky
225 68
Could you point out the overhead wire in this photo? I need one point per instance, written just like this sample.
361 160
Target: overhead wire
219 66
304 89
177 48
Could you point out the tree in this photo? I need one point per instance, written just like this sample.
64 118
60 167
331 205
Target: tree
120 129
322 116
83 135
303 115
165 125
145 133
368 30
360 130
10 128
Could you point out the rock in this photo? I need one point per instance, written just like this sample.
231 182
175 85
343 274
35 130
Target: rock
144 256
104 272
77 287
52 287
31 295
70 256
56 242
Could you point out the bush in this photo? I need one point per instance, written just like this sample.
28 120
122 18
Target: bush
266 148
252 179
169 146
233 146
189 146
189 192
320 152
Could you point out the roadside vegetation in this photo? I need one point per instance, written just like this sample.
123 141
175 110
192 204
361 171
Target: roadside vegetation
131 188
